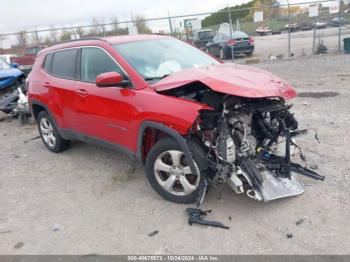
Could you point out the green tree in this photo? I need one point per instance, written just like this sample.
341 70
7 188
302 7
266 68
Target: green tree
222 15
241 11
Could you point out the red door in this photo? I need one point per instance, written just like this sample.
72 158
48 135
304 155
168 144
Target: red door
60 82
103 113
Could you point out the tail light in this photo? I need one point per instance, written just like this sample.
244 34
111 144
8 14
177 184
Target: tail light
231 42
251 40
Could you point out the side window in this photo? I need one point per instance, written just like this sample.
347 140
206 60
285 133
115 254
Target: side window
64 63
95 61
48 62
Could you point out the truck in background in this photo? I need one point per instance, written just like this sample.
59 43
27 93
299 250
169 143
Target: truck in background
25 62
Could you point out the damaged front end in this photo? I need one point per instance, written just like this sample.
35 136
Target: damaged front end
243 138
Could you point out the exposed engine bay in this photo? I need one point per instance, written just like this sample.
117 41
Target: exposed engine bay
243 138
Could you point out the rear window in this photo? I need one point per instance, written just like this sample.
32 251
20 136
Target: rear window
239 34
64 63
47 62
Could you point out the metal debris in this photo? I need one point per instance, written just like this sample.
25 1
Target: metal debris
31 139
19 245
195 216
153 233
299 222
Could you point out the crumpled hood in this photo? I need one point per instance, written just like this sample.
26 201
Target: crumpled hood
10 72
8 77
233 79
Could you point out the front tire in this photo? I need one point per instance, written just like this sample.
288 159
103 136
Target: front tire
169 174
49 133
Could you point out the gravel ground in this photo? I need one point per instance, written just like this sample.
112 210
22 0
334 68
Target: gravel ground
301 42
92 200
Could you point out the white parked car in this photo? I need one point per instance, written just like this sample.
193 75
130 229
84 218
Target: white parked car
7 57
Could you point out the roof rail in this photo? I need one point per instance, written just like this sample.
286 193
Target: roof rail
80 39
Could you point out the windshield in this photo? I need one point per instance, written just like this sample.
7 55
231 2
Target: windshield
3 64
155 59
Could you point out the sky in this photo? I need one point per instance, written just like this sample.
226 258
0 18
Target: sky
19 15
27 15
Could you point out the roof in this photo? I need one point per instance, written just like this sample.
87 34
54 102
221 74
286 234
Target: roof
112 40
131 38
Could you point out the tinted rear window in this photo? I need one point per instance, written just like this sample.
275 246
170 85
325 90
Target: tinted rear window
64 63
47 63
239 34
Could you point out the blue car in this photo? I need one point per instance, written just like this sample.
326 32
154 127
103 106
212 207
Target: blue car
9 75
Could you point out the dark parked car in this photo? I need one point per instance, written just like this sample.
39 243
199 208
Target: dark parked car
203 38
222 44
292 27
337 21
306 26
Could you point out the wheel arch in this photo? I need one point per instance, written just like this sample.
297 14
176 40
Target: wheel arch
36 107
164 131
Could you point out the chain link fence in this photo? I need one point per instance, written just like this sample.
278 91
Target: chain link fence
278 30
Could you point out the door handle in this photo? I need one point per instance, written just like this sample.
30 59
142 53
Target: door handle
81 92
46 84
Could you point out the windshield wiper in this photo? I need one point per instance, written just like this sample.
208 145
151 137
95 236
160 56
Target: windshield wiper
156 77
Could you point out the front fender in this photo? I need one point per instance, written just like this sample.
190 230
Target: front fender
172 133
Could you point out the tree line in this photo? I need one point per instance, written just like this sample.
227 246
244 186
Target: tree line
96 28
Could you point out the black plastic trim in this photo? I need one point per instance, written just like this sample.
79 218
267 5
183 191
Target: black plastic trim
179 138
81 39
123 83
36 102
70 134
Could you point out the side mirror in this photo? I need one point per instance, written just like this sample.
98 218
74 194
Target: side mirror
14 65
110 79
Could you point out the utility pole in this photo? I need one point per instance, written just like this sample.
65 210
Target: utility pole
314 37
288 28
230 21
170 25
339 34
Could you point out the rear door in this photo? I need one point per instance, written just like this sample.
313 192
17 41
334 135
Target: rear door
102 113
61 67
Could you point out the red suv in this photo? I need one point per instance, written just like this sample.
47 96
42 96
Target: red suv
192 120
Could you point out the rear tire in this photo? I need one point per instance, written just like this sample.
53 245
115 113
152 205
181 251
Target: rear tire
49 133
174 181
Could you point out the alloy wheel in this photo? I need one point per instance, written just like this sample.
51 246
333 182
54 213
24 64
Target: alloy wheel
47 132
174 174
